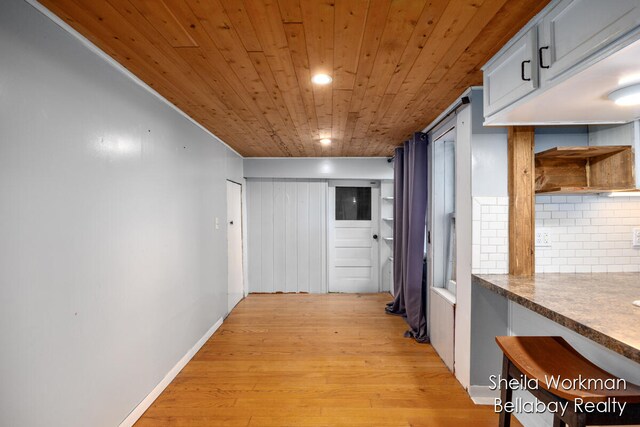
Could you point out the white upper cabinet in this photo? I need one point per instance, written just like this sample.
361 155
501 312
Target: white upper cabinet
561 66
512 75
573 30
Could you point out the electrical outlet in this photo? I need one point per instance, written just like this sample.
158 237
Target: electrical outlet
636 237
542 239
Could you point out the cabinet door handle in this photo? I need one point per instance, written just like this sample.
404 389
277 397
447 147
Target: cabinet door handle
540 56
522 70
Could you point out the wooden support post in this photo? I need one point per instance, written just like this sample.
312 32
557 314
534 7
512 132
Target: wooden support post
521 201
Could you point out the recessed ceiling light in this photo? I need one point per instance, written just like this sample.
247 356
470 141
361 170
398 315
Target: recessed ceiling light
625 96
321 79
325 141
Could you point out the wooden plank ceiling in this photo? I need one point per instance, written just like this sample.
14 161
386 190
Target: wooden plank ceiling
243 69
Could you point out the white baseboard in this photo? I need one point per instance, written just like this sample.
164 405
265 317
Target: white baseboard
151 397
483 395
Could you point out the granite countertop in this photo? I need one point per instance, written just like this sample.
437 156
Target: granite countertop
597 306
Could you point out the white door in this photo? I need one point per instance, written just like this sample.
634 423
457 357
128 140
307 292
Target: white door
234 244
353 222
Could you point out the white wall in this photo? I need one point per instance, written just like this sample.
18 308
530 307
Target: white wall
464 182
319 168
287 235
110 266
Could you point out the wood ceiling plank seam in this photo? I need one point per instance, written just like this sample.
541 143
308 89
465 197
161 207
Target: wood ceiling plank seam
296 41
348 146
202 65
159 15
261 65
374 27
403 19
290 11
239 17
102 37
192 107
515 13
453 22
218 27
409 93
270 30
212 70
220 90
349 23
473 57
376 21
318 22
431 14
212 96
484 14
341 100
471 74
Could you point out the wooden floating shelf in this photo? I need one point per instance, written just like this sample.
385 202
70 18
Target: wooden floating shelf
592 169
574 190
581 152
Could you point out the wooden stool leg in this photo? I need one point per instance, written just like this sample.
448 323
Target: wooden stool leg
505 394
557 422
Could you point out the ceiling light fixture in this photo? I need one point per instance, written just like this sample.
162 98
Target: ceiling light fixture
321 79
626 96
325 141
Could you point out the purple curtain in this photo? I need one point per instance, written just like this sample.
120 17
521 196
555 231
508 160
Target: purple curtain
409 213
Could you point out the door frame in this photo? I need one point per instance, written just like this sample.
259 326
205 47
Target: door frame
375 222
242 242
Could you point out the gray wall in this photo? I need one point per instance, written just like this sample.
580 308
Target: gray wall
111 268
319 168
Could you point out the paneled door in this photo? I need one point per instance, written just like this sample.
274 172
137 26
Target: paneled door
353 222
234 245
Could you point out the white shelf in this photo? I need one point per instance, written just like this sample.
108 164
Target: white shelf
388 219
387 198
388 239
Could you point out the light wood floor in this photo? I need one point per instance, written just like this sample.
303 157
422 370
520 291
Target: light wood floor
315 360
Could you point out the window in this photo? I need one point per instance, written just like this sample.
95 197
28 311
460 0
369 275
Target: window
353 203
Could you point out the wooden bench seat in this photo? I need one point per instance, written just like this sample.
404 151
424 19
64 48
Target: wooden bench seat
545 358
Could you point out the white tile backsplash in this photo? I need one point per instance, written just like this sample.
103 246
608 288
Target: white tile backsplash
490 250
587 233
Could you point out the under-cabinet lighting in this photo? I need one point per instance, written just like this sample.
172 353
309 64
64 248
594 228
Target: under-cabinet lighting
622 194
626 96
321 79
